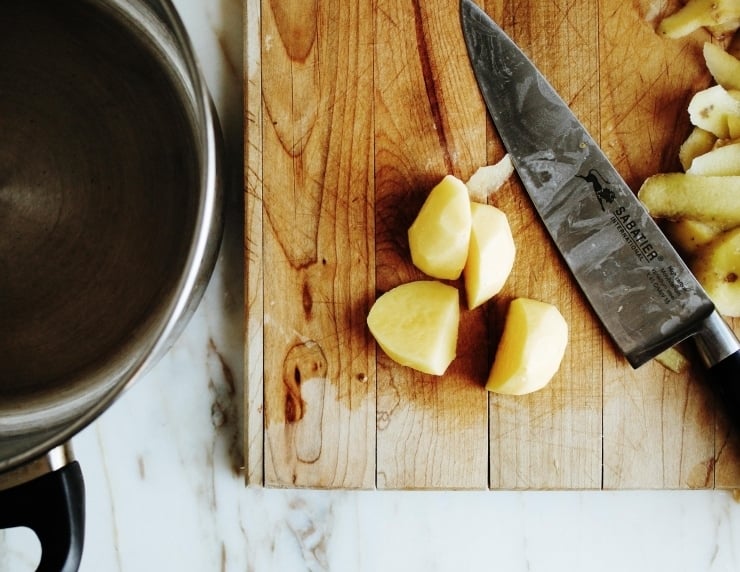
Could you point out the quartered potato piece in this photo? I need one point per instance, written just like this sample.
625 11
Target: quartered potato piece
531 349
439 236
416 324
490 255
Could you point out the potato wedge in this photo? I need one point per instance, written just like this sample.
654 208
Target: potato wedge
440 234
698 142
416 325
710 108
718 271
724 67
531 349
490 256
696 14
677 196
722 161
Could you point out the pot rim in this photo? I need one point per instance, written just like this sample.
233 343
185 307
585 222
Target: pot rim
203 248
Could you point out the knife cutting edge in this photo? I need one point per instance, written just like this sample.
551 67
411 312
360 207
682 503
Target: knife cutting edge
635 281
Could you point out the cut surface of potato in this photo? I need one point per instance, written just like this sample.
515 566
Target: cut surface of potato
531 349
489 179
490 255
710 108
689 236
676 196
696 14
722 161
718 271
439 236
724 67
416 325
697 143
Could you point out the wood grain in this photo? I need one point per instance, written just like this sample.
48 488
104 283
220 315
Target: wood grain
253 246
424 128
353 112
658 427
318 248
552 438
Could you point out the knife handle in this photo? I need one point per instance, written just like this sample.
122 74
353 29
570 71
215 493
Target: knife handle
725 380
719 349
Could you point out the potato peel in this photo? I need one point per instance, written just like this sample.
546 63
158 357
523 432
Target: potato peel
695 14
700 208
488 179
673 359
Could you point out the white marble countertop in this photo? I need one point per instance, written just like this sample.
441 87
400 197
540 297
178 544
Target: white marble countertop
164 490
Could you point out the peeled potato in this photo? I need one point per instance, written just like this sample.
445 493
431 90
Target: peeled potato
718 271
439 236
531 349
416 324
490 256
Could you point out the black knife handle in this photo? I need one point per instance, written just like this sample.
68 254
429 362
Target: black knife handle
724 378
719 349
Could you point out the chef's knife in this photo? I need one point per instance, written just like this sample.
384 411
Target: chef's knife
637 284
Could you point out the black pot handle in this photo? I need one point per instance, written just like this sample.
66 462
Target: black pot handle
53 506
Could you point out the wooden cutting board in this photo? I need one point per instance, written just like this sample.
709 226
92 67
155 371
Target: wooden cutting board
354 110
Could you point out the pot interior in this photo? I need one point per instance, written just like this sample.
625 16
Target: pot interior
98 198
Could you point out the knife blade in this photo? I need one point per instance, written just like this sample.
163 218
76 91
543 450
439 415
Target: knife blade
637 284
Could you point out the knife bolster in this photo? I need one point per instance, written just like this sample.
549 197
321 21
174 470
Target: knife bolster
715 340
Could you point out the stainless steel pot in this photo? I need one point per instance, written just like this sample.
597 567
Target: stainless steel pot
110 220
